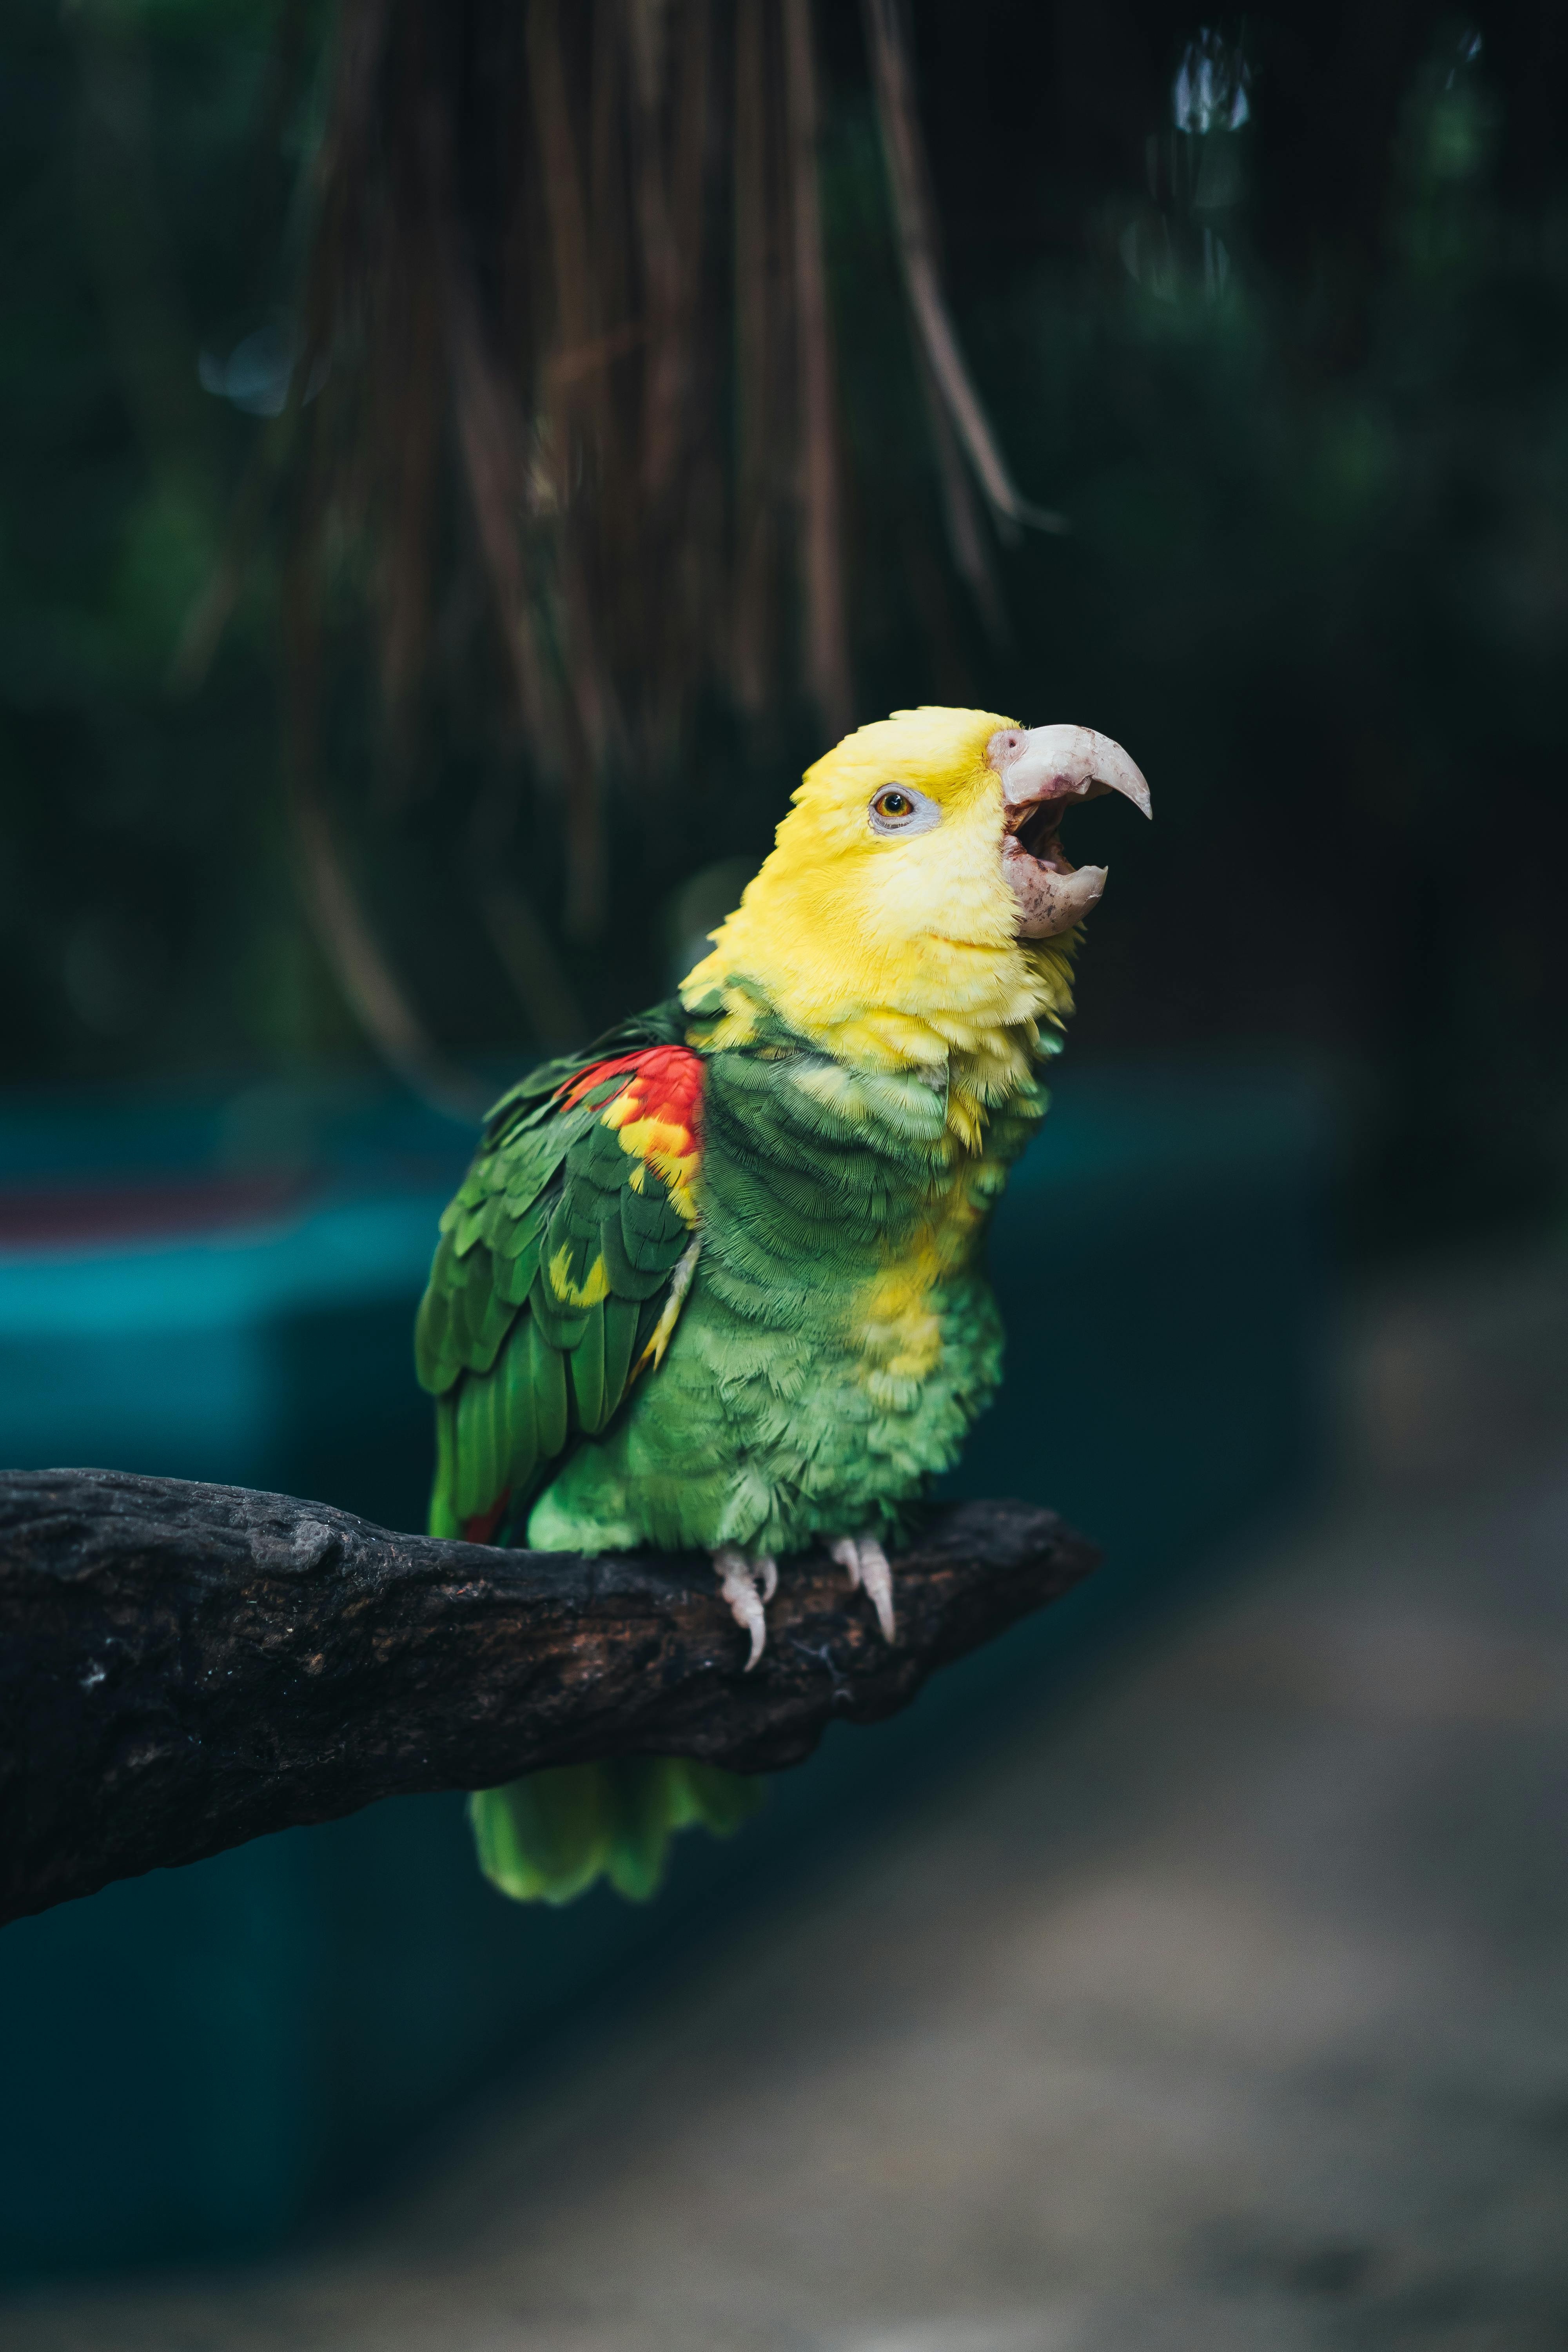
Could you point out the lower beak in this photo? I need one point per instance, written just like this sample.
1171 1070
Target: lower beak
1044 772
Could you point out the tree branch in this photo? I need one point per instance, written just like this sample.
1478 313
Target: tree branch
182 1667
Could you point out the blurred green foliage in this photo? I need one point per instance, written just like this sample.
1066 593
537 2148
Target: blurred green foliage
147 916
1303 396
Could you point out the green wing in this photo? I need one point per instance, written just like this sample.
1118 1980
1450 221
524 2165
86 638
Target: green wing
561 1267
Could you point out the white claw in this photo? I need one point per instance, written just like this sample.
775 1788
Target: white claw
870 1573
739 1583
877 1582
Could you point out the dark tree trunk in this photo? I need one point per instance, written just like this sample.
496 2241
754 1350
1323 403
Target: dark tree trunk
182 1667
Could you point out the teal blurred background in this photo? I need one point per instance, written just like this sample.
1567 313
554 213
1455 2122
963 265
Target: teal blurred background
1287 358
272 2029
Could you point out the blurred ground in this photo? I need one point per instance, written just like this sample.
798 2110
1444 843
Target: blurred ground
1227 2008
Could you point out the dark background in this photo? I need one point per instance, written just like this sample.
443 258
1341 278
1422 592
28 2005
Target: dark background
1316 576
287 476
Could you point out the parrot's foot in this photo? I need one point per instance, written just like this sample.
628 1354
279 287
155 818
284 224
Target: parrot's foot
867 1564
748 1586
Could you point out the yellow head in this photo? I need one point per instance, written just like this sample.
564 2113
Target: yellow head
916 910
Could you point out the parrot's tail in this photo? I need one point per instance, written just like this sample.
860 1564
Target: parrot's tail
547 1838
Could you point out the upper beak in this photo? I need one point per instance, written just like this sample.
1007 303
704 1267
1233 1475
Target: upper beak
1045 770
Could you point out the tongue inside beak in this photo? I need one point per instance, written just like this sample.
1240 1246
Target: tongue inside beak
1044 772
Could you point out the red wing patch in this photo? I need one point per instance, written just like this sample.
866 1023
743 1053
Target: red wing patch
657 1113
669 1083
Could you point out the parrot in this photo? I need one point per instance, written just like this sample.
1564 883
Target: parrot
716 1282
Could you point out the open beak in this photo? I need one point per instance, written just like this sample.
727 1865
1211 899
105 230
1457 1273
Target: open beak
1044 772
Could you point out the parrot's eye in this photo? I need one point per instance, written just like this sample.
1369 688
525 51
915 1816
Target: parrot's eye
901 808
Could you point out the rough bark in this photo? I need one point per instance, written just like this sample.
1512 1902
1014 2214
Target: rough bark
183 1666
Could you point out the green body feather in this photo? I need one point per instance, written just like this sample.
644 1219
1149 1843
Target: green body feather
837 1339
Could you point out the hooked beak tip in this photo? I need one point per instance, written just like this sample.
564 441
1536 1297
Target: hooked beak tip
1044 772
1040 763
